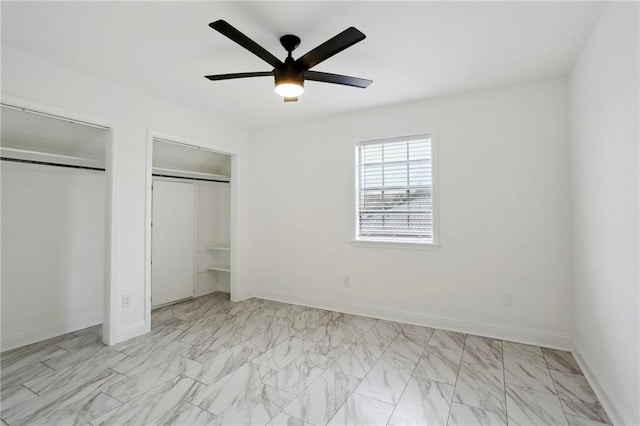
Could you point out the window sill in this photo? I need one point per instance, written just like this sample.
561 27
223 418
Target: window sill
404 245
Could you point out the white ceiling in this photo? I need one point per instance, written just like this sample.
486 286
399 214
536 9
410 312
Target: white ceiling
413 50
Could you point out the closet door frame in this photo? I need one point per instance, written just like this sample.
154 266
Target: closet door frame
151 136
110 308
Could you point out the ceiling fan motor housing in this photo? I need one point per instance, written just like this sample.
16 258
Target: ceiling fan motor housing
289 74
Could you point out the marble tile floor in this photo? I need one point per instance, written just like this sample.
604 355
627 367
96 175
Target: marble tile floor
209 361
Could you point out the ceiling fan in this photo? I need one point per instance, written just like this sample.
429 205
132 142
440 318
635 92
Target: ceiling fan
291 74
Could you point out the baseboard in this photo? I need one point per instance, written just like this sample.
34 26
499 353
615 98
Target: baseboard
133 330
242 295
208 289
52 330
531 337
603 392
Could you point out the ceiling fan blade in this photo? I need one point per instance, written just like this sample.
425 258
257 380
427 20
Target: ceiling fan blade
345 80
224 28
239 75
334 45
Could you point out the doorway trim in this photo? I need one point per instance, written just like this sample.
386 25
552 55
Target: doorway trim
110 294
151 136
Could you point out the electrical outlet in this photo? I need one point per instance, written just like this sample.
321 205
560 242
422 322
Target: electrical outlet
347 282
506 300
126 300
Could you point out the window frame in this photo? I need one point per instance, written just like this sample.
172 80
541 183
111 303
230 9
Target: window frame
395 243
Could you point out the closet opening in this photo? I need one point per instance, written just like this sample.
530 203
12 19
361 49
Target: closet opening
56 227
190 223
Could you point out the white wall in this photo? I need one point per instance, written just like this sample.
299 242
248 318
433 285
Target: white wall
28 77
504 215
52 251
604 155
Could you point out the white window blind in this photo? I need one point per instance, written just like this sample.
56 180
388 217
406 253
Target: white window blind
395 190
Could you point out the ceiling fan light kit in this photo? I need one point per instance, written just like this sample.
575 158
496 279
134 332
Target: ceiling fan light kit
289 89
290 75
289 81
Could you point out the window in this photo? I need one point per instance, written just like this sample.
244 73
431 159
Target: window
394 190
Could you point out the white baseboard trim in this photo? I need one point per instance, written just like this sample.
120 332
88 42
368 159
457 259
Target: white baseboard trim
531 337
52 330
240 296
134 330
604 393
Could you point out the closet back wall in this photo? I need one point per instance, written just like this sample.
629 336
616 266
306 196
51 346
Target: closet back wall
214 224
52 251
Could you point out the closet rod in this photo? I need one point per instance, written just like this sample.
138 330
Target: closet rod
56 117
186 145
72 166
189 178
46 163
156 139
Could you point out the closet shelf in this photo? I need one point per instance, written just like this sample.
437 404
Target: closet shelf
49 157
219 248
220 268
189 174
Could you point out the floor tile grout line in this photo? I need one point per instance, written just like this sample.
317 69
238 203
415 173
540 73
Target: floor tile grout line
410 377
52 372
65 404
556 388
359 380
504 384
301 391
455 386
114 408
178 377
298 394
352 392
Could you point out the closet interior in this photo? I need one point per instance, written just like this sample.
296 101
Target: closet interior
190 222
54 198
